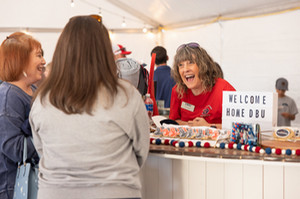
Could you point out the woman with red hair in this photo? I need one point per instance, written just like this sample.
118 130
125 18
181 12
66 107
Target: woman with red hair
21 65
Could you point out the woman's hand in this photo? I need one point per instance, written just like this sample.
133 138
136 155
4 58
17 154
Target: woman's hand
198 121
180 122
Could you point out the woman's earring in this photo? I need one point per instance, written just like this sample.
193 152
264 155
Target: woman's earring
24 73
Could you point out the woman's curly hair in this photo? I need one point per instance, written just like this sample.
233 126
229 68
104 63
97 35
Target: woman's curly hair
208 71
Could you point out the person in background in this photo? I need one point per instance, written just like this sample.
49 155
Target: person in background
287 108
90 127
197 96
21 65
162 76
128 68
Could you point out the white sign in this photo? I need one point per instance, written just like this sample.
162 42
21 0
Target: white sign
250 107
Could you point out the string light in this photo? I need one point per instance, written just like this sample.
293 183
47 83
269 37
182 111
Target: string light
145 29
101 10
72 3
123 23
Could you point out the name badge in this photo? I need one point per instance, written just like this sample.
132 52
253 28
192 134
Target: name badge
187 106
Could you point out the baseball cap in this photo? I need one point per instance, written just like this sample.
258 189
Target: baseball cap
282 84
119 49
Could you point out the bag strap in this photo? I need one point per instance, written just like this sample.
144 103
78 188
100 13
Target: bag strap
31 138
25 150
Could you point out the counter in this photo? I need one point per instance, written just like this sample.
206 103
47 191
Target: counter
214 173
221 153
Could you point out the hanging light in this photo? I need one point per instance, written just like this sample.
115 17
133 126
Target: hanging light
72 3
145 29
124 23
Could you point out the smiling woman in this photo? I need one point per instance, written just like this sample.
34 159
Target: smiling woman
21 64
197 96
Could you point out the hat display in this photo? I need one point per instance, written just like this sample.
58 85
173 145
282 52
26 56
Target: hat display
119 49
282 84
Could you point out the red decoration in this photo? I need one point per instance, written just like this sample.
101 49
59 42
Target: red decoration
167 142
151 139
151 84
230 146
191 144
206 145
278 151
173 143
257 149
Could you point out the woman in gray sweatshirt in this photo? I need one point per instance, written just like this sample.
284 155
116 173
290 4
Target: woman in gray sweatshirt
90 128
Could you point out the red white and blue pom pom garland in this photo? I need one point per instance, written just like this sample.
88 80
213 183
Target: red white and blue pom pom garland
231 145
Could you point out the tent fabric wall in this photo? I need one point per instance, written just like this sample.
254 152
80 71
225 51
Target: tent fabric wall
139 44
48 41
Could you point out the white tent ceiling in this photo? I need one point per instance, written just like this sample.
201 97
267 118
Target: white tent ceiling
52 15
172 13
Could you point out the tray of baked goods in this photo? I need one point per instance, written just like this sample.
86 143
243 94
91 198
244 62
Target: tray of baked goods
246 134
283 137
